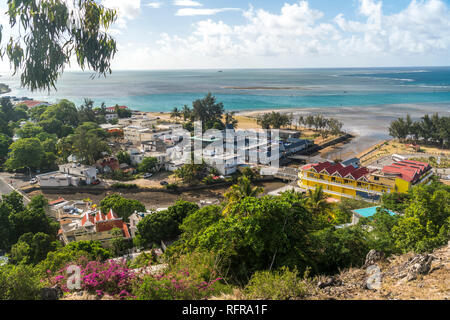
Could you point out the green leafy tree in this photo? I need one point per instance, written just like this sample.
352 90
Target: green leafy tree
175 113
64 111
24 153
200 220
148 164
165 225
399 129
334 249
239 191
259 234
29 130
381 236
19 282
426 223
230 120
6 227
53 31
71 253
52 126
5 142
123 113
121 206
124 157
320 208
31 248
208 111
88 142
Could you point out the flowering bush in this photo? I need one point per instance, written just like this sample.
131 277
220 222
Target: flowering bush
172 286
110 277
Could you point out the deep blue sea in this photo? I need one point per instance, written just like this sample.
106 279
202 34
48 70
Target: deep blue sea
252 89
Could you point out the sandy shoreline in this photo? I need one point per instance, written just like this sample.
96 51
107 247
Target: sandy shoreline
369 124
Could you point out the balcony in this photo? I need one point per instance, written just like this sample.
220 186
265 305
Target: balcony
342 185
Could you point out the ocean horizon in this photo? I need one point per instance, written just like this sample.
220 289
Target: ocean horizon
251 89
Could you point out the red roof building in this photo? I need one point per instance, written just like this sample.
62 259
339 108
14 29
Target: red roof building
33 103
113 109
338 169
407 170
104 223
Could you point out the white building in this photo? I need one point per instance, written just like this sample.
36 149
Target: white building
111 116
139 121
69 174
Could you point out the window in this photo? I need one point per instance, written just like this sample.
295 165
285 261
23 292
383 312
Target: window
376 178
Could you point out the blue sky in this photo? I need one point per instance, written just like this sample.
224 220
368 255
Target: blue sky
220 34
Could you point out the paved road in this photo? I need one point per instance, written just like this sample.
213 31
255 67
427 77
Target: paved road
6 189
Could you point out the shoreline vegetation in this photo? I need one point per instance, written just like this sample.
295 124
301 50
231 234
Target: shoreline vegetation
4 88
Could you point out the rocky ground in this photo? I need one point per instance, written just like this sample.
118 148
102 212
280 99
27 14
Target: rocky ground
406 277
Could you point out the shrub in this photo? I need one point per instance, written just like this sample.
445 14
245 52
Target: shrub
278 285
119 185
334 249
172 187
178 286
145 259
74 253
19 282
111 277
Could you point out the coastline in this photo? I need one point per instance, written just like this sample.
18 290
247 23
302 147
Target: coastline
368 124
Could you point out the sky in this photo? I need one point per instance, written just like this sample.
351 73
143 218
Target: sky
222 34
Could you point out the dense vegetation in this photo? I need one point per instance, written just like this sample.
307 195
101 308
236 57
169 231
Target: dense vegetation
54 133
429 129
266 246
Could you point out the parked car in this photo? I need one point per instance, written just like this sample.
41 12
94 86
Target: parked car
148 175
33 181
164 183
95 182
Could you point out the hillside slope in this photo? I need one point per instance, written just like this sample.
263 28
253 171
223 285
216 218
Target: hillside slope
405 277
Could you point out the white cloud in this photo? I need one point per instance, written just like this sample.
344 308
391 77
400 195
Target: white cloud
203 12
126 10
154 5
299 36
187 3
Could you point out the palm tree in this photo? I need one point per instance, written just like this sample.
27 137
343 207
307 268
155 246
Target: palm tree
229 119
239 191
317 202
186 112
175 113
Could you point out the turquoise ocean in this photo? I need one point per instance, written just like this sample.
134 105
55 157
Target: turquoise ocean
251 89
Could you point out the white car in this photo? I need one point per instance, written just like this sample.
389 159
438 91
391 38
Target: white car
33 181
148 175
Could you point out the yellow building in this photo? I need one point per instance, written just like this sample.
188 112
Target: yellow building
340 181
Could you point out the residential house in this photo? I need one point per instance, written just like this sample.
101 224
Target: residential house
108 165
86 174
92 226
33 103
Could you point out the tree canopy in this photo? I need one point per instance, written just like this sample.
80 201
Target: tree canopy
53 31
